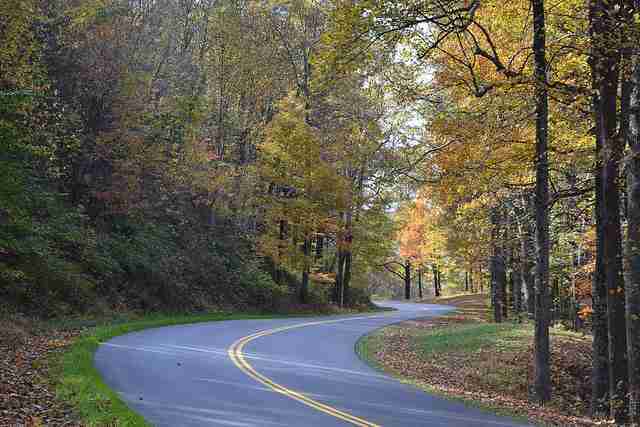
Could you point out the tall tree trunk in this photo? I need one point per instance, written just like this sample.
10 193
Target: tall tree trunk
600 346
337 290
557 301
304 286
632 246
407 279
436 289
526 253
606 66
348 258
612 249
606 50
512 290
517 292
542 381
345 299
282 235
497 268
505 295
498 279
420 283
220 137
319 246
515 278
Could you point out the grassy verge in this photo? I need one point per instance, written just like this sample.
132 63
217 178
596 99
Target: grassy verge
472 338
78 382
464 357
445 340
368 348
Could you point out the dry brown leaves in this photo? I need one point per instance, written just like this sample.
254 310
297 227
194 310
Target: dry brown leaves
493 376
27 397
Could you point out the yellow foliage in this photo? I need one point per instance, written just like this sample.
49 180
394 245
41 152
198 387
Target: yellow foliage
19 52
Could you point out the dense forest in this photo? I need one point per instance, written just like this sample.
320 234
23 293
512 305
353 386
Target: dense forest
186 155
531 178
183 155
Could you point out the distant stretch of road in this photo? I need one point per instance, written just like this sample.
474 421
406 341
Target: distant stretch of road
281 372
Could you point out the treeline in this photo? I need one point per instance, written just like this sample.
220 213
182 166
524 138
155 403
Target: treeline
532 178
164 155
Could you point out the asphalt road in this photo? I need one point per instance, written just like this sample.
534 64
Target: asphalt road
305 373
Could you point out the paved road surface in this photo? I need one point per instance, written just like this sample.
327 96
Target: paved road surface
295 376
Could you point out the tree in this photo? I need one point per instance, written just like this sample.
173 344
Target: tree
305 188
605 63
542 382
471 60
632 246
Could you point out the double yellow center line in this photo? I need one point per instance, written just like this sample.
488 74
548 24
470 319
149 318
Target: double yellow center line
237 357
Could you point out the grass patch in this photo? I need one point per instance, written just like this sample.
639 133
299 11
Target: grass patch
472 337
366 348
464 357
78 382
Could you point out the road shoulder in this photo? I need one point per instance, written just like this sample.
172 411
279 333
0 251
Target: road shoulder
462 356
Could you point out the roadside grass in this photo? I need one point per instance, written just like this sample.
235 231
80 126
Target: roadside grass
78 382
367 349
472 338
462 356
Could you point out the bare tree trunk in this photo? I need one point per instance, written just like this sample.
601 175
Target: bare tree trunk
517 292
632 247
348 259
505 294
345 299
319 246
221 104
604 31
337 293
515 279
612 248
436 288
542 381
498 278
600 346
497 268
407 279
420 283
282 235
512 290
526 252
304 286
528 281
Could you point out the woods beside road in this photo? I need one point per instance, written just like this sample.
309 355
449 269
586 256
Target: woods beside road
239 156
464 356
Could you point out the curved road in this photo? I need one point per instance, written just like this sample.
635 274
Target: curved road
279 372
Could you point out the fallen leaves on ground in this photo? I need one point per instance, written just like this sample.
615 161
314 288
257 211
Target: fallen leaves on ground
27 397
494 376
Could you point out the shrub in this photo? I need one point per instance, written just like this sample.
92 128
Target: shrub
359 297
262 292
319 293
